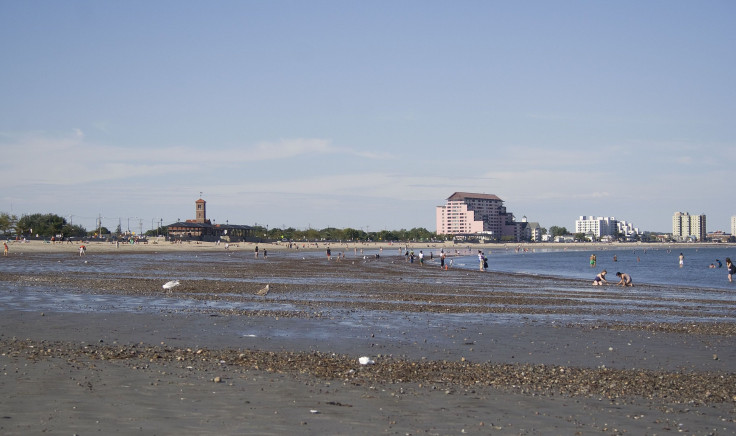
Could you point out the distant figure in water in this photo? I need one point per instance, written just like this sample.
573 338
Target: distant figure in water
625 279
720 265
682 260
731 269
592 260
615 259
600 279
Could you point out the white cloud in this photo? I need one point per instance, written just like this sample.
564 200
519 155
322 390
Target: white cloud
41 158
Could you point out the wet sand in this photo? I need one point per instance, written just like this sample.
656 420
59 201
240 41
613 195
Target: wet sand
159 244
446 358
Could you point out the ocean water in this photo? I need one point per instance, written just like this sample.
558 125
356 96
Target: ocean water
693 293
659 266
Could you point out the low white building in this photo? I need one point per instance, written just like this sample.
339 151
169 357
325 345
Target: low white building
628 230
599 227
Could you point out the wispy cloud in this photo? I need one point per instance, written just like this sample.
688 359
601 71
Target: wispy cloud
66 159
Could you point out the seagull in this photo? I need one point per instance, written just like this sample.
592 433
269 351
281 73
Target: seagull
171 285
263 291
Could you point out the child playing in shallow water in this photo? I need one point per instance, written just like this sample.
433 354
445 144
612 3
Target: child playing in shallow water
600 278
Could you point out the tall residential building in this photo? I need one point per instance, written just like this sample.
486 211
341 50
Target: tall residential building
597 225
686 226
533 232
469 213
733 225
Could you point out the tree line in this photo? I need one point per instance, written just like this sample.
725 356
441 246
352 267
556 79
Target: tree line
52 225
346 234
43 225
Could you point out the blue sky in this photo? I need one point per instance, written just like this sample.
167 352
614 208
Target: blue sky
367 114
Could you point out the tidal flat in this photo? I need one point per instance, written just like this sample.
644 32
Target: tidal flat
94 343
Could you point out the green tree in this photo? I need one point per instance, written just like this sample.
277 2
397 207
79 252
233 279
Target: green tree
387 235
558 231
48 225
73 230
351 234
160 231
7 222
312 234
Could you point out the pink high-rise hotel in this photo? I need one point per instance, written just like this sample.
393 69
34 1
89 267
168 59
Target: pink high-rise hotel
467 213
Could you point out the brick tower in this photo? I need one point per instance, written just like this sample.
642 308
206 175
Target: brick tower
201 209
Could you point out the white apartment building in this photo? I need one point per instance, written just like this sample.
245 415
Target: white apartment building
686 226
470 213
733 225
597 225
626 228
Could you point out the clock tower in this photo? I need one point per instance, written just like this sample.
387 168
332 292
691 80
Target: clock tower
201 211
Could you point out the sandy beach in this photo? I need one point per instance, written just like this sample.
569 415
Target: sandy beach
448 356
159 244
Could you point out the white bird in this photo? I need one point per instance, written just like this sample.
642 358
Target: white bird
170 285
264 291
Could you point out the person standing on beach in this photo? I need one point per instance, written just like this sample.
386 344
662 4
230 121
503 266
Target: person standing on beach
481 259
592 260
329 254
731 269
256 252
421 258
5 248
265 253
682 260
442 259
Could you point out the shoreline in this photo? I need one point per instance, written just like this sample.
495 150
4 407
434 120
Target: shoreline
161 245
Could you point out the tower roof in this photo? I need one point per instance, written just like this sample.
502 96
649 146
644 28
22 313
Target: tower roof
458 196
